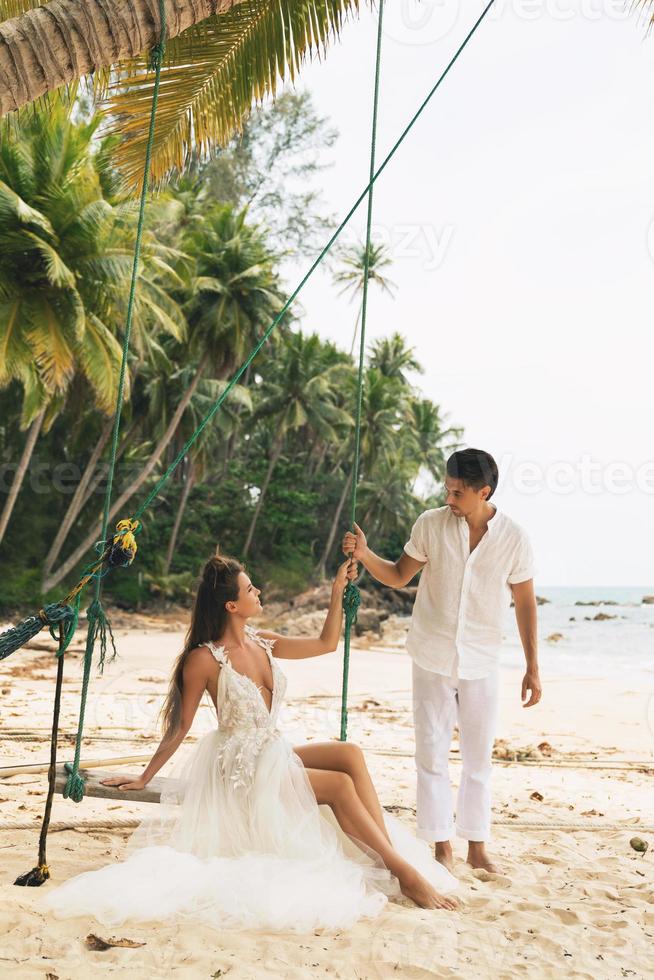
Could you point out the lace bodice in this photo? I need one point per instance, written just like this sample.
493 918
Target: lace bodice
240 704
245 725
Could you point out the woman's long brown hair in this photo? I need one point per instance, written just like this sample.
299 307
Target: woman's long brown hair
218 584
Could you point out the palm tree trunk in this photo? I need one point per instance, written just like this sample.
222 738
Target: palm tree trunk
99 475
172 542
274 459
356 330
322 564
155 456
76 502
231 440
19 476
319 459
59 42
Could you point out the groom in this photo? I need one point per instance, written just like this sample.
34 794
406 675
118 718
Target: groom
474 558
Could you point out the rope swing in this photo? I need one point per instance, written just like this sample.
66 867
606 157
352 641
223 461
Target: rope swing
119 549
352 596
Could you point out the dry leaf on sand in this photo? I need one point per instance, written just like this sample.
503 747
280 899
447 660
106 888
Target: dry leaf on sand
97 943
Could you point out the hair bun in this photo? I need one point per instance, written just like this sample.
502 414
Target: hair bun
220 564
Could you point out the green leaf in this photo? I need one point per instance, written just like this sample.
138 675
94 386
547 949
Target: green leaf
213 74
14 210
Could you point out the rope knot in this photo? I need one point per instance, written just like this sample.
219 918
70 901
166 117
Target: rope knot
157 53
53 615
351 603
74 788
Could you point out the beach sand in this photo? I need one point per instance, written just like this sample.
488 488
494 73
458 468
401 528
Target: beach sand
570 903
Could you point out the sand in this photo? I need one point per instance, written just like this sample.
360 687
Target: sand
570 903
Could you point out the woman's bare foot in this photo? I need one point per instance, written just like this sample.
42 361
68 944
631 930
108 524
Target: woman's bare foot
478 858
418 889
443 854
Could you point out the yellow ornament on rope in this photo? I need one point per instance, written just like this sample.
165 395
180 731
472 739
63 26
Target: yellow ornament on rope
124 547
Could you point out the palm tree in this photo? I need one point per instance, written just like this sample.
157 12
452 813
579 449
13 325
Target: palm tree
352 275
231 295
217 64
387 501
382 412
200 459
298 393
98 244
433 442
59 284
392 358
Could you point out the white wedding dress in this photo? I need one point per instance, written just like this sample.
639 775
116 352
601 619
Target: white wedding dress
239 840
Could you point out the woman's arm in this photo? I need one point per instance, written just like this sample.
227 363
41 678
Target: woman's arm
301 647
195 677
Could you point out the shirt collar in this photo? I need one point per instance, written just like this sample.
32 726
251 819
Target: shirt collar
492 523
494 519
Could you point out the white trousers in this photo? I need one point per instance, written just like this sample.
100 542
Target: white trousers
438 702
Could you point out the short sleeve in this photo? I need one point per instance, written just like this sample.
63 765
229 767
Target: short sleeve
522 568
416 546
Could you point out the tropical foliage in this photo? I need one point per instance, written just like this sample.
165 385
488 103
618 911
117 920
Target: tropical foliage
270 477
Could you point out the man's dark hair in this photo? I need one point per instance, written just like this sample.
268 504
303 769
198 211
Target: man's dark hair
475 468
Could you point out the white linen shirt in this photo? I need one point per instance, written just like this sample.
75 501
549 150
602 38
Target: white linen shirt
463 598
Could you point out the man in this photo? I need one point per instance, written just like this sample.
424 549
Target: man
474 558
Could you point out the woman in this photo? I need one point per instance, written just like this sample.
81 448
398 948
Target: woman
254 832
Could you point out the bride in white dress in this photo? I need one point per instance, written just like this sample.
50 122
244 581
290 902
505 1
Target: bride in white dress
254 832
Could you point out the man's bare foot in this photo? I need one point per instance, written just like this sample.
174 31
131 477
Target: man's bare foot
478 858
443 854
415 887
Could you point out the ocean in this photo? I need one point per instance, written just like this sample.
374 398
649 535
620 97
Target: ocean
589 647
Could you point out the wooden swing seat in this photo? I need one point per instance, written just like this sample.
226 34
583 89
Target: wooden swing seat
149 794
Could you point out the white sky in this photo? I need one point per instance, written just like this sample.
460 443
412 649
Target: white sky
518 215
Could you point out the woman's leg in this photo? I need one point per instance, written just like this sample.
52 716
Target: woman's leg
337 789
346 757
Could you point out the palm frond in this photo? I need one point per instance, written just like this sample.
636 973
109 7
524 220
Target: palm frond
14 351
213 75
55 269
35 397
49 343
161 309
14 8
15 211
100 356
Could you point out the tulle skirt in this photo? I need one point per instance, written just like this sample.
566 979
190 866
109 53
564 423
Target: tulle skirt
239 841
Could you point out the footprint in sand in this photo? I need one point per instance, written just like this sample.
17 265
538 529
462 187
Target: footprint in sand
477 902
482 875
601 891
528 906
567 916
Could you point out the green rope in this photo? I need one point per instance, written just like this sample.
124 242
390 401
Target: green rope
66 616
243 368
98 624
40 873
110 552
352 596
52 615
10 639
5 638
98 627
97 621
